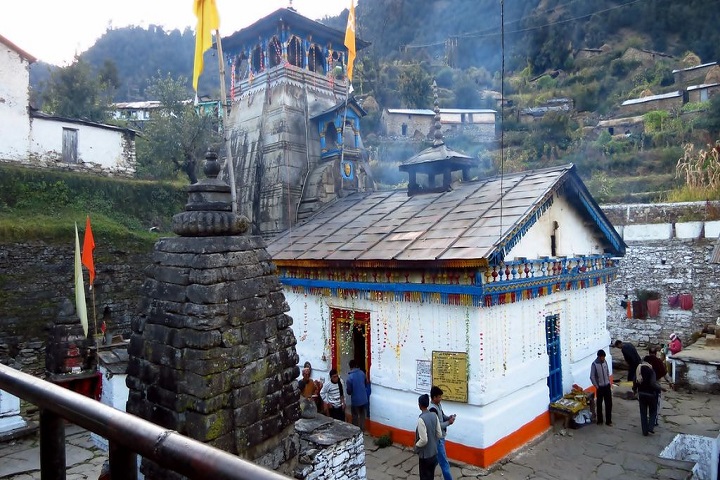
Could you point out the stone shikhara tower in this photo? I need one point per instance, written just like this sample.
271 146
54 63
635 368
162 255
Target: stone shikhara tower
213 355
293 126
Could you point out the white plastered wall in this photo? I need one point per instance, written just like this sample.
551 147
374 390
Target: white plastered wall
14 101
572 237
96 145
508 363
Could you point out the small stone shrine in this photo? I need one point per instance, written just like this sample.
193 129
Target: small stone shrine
213 354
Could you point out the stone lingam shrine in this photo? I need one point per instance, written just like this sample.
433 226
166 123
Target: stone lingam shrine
213 356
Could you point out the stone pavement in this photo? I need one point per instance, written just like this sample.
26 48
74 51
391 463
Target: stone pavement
591 452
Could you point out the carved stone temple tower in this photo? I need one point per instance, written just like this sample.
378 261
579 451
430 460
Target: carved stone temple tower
295 134
213 355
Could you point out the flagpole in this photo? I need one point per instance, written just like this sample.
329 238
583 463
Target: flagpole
94 314
350 45
226 136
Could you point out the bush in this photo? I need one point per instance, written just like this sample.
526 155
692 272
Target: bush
384 440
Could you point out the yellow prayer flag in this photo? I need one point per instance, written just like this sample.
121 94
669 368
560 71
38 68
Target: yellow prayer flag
208 20
80 305
350 40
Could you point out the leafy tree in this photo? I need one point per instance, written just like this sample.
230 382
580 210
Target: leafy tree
414 85
711 120
77 92
177 136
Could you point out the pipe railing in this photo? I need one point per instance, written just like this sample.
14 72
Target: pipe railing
127 436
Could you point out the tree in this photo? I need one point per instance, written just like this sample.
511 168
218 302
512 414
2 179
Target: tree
414 86
77 92
177 135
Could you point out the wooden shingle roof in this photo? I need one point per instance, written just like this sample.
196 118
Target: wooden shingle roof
476 222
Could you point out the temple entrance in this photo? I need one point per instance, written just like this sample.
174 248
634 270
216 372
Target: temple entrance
552 336
350 339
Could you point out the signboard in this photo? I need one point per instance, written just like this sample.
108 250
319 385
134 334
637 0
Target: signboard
449 372
423 376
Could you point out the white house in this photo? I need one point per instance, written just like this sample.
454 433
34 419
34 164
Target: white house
479 123
33 138
492 289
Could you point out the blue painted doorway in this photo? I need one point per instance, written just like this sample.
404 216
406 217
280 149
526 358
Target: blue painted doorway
552 335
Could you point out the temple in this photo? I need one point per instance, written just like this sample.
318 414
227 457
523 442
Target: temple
294 125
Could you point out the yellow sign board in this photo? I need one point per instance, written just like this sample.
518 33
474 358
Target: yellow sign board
450 373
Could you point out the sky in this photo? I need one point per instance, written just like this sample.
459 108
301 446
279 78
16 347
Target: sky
54 30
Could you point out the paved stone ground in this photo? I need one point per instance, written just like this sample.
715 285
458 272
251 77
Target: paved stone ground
591 452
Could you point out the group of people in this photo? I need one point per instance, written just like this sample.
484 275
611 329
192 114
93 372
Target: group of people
430 435
330 396
644 373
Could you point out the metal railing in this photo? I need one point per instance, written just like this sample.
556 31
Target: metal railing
127 436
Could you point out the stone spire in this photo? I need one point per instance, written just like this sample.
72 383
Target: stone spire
438 135
212 356
209 208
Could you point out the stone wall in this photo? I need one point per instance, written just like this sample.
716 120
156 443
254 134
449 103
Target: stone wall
36 288
670 256
330 449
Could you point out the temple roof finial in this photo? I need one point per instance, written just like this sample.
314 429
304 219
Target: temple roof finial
438 127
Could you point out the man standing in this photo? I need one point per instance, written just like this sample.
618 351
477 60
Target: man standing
631 356
358 394
427 434
333 397
661 372
600 378
436 397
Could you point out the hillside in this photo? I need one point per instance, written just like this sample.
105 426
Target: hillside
531 51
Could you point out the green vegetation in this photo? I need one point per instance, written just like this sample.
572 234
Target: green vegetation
45 204
596 53
177 137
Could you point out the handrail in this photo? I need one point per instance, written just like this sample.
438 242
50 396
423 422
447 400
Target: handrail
126 433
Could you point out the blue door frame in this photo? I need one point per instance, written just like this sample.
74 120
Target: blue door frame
552 335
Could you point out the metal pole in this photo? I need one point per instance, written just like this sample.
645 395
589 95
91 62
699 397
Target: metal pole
165 447
52 445
123 462
226 129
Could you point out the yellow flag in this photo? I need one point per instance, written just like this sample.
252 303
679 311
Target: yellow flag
80 305
208 20
350 40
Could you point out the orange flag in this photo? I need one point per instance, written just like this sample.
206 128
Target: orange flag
350 40
208 20
87 251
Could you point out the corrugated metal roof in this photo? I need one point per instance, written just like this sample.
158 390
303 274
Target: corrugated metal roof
467 223
650 98
695 67
704 85
411 111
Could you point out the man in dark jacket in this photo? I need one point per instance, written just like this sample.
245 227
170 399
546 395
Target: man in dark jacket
427 434
631 356
648 388
355 384
661 372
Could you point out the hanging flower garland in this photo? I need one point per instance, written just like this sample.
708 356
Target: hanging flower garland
467 334
323 324
304 335
402 331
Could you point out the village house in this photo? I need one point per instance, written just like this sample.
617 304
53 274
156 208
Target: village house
534 114
703 92
492 289
664 101
33 138
478 123
692 75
